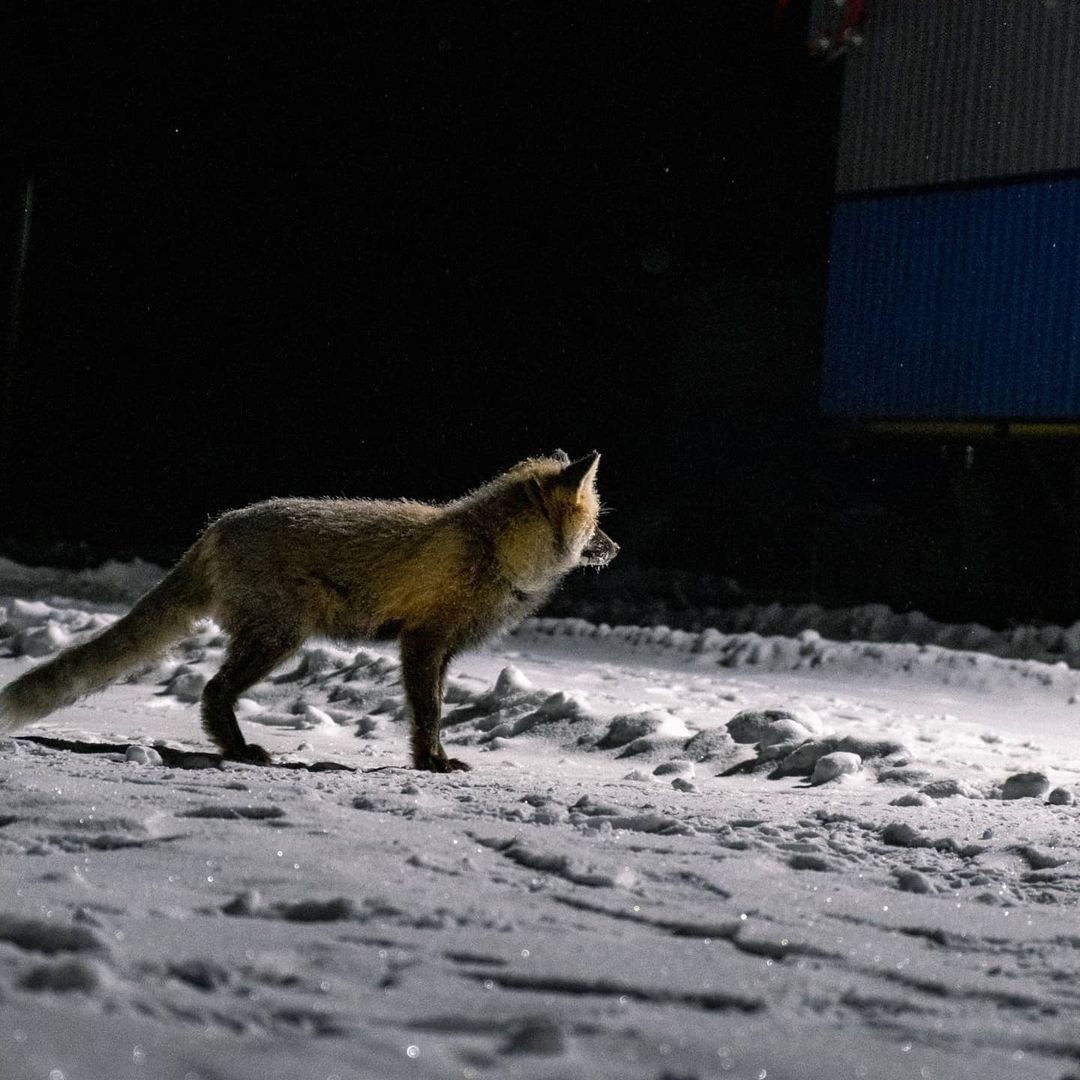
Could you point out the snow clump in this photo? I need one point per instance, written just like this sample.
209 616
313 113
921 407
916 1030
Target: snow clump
510 683
142 755
676 767
834 766
1025 785
627 728
767 727
948 786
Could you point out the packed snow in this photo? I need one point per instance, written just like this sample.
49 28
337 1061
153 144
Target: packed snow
678 855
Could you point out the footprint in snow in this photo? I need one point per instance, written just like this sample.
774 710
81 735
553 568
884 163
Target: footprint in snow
227 813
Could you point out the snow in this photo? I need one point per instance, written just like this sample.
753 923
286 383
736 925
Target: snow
620 888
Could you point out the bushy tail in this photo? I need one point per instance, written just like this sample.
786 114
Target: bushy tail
157 619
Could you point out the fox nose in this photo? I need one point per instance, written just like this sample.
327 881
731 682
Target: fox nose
600 550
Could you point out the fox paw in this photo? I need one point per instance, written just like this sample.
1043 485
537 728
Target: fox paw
442 765
253 754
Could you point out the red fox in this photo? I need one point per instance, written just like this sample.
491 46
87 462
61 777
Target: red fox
437 578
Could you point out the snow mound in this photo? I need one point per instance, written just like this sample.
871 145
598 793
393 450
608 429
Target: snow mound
112 583
628 728
34 628
809 651
1025 785
529 914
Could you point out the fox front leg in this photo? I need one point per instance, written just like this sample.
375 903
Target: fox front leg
423 669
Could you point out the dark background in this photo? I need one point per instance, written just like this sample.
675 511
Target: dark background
389 249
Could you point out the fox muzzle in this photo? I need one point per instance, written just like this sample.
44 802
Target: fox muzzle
600 550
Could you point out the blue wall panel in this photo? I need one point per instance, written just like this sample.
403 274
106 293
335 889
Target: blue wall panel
960 304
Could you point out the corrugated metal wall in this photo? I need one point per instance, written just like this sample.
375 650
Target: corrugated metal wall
954 285
958 304
950 90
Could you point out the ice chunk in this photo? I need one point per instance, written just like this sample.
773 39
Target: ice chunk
41 640
709 745
835 765
315 718
913 881
912 798
25 613
629 727
511 682
1025 785
187 684
678 767
947 787
767 727
802 759
142 755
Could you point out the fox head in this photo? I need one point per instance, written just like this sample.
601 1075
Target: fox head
555 529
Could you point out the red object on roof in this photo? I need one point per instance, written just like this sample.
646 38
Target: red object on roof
855 17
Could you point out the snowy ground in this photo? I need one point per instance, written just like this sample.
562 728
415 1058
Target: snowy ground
595 899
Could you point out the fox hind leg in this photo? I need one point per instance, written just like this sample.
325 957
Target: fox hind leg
251 657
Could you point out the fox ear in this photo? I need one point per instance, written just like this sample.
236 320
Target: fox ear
579 473
535 494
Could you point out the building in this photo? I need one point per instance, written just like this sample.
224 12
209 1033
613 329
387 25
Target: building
954 288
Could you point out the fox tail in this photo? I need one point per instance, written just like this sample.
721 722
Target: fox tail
157 619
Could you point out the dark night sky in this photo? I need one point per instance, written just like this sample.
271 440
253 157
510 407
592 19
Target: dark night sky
389 249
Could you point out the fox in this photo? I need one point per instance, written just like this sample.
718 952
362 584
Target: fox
437 578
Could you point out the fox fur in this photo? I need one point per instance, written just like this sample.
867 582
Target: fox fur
438 578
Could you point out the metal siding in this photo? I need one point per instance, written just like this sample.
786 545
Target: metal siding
944 91
956 304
